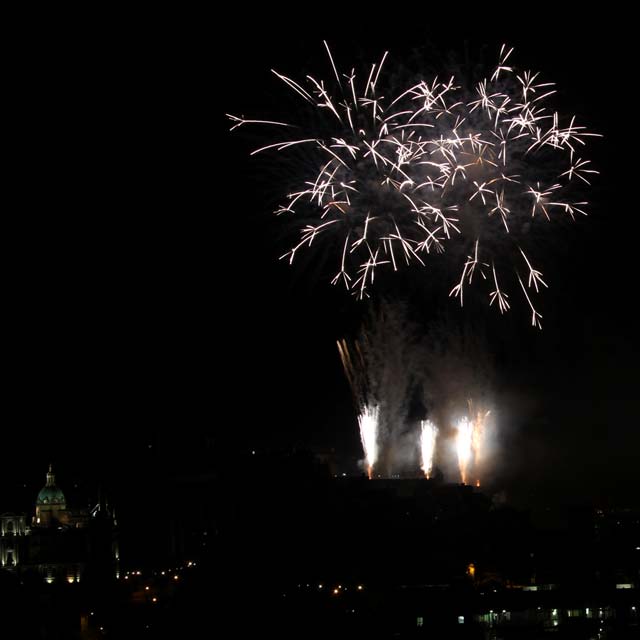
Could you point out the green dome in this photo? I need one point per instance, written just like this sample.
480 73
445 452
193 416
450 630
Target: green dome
50 494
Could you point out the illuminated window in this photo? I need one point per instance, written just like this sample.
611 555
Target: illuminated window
420 621
460 619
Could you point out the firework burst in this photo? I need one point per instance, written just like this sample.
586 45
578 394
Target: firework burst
435 169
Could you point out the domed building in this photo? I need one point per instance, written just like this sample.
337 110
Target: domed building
62 544
51 506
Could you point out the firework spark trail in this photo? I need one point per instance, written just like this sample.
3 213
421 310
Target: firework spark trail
434 169
368 421
428 435
350 371
464 446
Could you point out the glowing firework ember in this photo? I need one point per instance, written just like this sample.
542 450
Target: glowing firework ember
435 169
428 435
464 446
368 421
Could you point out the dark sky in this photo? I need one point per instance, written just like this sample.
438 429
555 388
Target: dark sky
144 302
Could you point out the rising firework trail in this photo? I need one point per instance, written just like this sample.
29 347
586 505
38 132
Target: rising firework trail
354 372
428 435
432 169
368 422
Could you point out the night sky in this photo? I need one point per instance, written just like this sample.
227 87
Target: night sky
146 312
